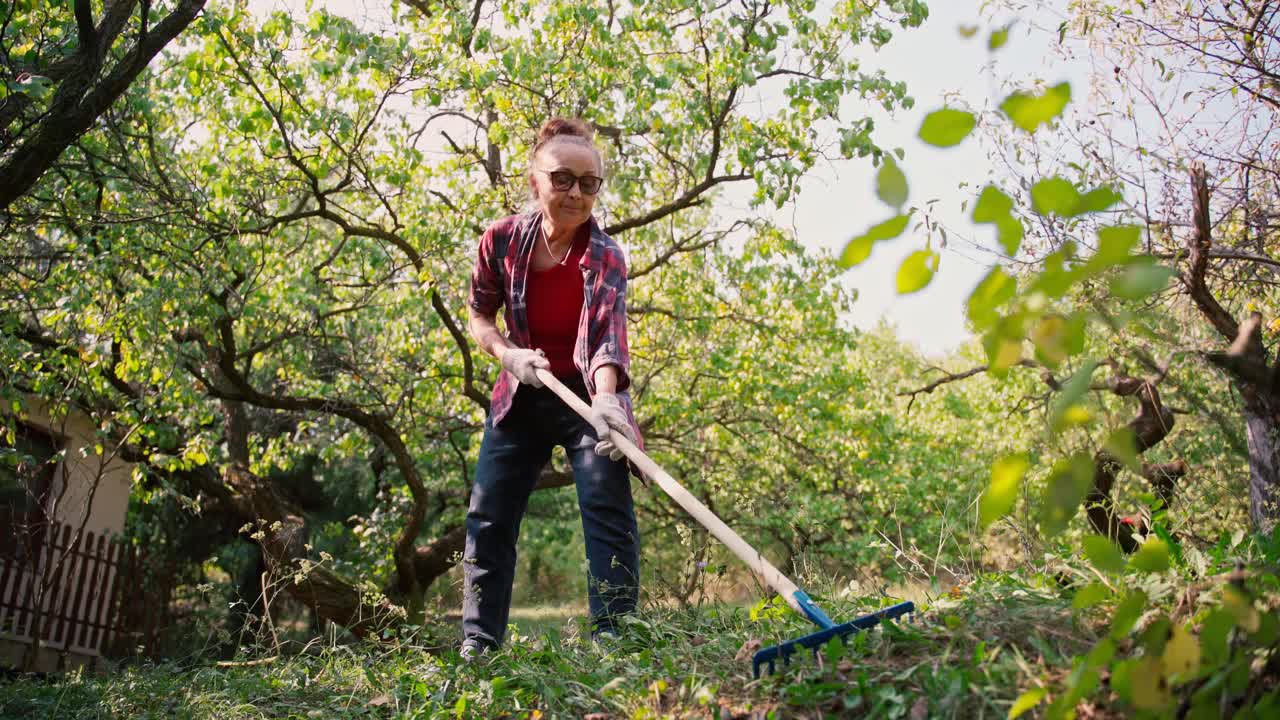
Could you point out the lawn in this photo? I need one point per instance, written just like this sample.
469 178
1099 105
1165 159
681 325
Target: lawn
969 653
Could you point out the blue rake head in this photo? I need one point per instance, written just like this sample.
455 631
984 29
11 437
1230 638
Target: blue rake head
816 640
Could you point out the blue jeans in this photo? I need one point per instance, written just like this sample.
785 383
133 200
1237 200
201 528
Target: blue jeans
512 455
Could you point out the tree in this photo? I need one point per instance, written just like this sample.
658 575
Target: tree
64 71
272 228
1182 91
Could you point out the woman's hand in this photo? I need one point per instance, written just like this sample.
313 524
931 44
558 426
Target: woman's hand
524 363
607 417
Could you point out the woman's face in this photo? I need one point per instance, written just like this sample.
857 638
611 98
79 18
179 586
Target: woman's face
565 208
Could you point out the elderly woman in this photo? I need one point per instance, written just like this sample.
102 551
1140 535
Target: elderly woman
563 283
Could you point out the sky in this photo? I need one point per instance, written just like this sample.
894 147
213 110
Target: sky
838 201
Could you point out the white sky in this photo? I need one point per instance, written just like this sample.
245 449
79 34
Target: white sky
838 201
837 204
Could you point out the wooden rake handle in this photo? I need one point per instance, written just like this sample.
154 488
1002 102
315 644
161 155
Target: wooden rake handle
691 504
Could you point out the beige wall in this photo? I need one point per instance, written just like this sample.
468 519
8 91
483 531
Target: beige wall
86 483
87 488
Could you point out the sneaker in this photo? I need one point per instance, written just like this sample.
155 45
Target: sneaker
606 640
471 651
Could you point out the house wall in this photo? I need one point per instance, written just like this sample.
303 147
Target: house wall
86 483
87 488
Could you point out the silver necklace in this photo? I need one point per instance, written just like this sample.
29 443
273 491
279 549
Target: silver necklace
547 244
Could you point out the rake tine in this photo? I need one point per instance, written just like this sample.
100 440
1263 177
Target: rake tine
815 641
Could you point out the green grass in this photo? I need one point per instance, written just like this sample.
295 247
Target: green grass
966 656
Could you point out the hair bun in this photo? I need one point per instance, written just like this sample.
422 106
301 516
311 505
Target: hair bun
572 127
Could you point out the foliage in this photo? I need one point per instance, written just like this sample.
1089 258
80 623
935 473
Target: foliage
258 261
252 268
967 651
1048 308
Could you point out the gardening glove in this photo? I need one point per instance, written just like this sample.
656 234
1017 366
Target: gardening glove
522 363
608 416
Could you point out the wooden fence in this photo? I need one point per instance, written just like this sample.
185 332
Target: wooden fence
80 592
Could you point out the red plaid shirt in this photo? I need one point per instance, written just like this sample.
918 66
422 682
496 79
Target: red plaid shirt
501 278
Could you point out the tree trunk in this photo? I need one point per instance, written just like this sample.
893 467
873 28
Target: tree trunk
1262 425
1152 425
281 534
1247 362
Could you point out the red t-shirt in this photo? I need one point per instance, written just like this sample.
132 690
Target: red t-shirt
554 304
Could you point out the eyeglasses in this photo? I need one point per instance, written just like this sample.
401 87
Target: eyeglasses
563 181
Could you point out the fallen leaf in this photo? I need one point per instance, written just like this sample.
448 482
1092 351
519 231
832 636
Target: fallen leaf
748 649
380 700
920 709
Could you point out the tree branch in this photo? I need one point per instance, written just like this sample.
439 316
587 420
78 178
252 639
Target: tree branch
1152 425
1198 251
78 102
241 389
948 377
1240 362
690 198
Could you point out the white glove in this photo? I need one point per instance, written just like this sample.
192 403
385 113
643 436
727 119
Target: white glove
522 363
608 416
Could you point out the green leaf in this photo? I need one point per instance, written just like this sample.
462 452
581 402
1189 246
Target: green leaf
1121 674
1061 410
1090 595
1073 334
859 248
916 271
1215 630
1058 196
1057 276
1054 195
992 205
1122 443
947 127
967 31
1029 111
891 184
994 290
1001 494
998 38
1009 232
1152 557
1050 339
1103 652
1239 602
1027 701
1141 278
857 251
1003 344
1115 242
1065 489
1126 614
1147 688
1103 553
1097 200
1181 653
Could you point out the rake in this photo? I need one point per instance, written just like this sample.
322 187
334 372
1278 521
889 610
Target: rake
796 598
